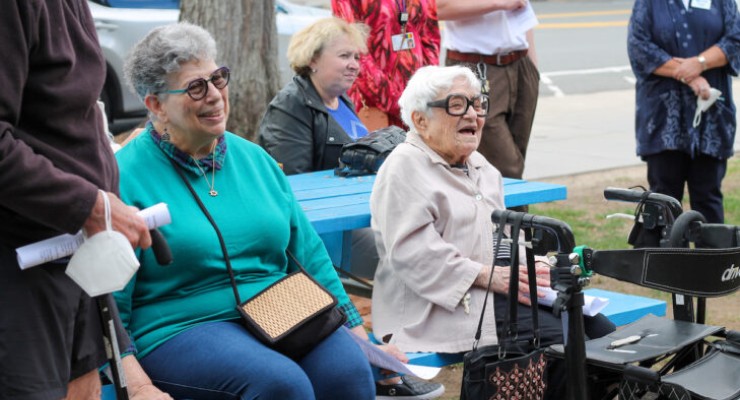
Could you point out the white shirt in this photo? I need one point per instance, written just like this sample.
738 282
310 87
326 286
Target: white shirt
497 32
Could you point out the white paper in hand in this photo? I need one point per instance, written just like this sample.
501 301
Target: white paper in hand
65 245
383 360
105 262
592 305
703 105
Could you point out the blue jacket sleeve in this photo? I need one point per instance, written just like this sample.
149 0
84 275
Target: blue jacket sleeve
730 41
645 56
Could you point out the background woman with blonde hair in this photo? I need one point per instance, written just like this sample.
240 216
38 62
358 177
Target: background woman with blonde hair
307 123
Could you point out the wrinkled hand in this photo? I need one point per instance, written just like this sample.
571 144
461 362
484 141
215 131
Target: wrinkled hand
700 87
148 392
502 277
542 271
398 355
123 219
140 387
394 351
688 69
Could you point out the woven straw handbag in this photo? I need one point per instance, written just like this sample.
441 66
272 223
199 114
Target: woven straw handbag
293 314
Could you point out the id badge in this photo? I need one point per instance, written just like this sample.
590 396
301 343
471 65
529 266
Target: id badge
403 41
701 4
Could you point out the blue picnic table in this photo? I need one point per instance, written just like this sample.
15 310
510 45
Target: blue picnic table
337 205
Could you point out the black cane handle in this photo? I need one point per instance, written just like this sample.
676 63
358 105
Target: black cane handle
161 249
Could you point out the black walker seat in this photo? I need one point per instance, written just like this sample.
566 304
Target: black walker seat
658 336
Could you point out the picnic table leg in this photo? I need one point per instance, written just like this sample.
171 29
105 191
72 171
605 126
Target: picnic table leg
346 262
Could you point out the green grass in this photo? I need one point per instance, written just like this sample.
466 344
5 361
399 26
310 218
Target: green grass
585 211
596 232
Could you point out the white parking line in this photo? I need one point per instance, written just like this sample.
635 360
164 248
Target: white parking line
545 77
589 71
554 89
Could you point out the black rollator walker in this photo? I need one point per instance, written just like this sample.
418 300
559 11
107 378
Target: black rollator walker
654 357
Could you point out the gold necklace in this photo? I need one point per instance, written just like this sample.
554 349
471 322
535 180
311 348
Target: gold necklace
212 183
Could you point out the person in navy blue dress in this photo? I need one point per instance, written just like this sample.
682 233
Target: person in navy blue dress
679 50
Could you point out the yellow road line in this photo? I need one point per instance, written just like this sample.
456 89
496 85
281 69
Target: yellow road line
570 25
584 14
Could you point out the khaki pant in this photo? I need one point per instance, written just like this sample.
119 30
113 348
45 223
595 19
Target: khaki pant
514 89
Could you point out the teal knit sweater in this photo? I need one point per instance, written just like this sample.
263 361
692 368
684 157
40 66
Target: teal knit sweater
258 217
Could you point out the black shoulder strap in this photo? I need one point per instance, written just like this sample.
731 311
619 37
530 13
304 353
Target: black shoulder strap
499 239
532 277
511 321
215 228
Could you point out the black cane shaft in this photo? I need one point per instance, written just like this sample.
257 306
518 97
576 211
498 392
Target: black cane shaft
111 345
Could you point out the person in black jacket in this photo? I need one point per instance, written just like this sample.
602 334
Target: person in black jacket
307 123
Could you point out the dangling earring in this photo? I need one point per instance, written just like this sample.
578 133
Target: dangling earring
166 135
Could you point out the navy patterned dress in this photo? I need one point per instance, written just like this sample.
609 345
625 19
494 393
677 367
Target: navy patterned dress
660 30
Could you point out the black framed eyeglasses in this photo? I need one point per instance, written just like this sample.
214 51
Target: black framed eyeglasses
198 88
457 104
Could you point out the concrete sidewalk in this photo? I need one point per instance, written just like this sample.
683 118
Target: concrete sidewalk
585 133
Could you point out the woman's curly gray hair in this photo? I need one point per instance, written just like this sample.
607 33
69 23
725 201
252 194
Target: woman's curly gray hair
162 52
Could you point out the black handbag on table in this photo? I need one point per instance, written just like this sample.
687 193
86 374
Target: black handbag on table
506 371
366 155
292 315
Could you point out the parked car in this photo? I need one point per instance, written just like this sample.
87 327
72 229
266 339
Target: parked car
120 24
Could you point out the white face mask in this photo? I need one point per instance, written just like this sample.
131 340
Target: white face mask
105 262
703 105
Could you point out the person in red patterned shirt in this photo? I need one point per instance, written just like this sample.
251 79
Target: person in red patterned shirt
404 36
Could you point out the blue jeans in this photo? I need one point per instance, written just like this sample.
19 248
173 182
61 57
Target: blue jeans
222 360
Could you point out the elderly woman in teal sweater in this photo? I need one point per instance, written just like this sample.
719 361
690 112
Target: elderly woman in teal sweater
182 318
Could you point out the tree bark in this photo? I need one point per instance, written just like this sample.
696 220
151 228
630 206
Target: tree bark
246 36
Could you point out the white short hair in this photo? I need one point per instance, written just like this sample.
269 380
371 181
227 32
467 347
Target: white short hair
427 83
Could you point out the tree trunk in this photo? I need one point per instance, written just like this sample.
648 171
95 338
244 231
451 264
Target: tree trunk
246 36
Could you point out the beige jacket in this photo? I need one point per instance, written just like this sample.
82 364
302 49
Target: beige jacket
433 231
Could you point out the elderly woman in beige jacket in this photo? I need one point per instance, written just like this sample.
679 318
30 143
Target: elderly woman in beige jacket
431 214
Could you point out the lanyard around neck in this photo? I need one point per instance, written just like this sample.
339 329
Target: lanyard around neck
403 15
